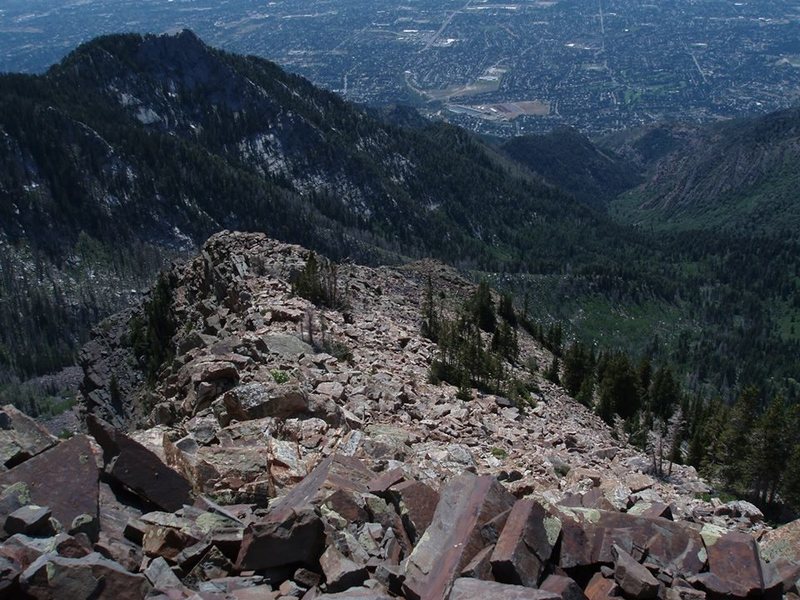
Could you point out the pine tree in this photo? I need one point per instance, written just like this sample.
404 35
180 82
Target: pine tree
553 372
482 308
735 438
664 393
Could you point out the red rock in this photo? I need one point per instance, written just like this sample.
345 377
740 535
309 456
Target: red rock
634 579
416 502
454 536
600 588
64 478
340 572
565 587
480 567
734 559
514 559
588 536
385 480
139 469
166 542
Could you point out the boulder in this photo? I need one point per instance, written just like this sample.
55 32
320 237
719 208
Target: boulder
600 588
634 579
53 577
525 544
259 400
565 587
285 537
340 572
782 542
64 478
467 502
734 559
473 589
21 437
138 469
416 503
588 536
30 520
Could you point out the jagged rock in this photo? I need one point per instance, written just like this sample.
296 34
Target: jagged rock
138 469
741 509
480 567
284 537
340 572
53 577
259 400
213 565
634 579
65 478
89 525
416 502
601 588
454 536
565 587
30 520
588 536
684 593
472 589
165 542
525 544
21 437
161 576
9 579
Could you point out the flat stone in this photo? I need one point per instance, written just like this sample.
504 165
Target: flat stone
600 588
53 577
588 536
782 542
287 346
64 478
259 400
735 559
474 589
139 469
21 437
454 536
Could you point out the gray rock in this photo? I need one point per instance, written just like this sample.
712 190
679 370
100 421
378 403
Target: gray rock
259 400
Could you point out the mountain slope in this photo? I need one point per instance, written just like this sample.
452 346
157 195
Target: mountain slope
157 142
740 176
574 164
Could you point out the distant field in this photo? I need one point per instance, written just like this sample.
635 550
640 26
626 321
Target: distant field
506 111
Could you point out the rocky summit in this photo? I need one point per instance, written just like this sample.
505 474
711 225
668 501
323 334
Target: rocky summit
279 448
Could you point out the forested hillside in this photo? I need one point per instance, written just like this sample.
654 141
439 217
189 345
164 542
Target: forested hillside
134 149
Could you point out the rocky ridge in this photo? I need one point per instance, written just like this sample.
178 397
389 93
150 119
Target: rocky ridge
296 451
